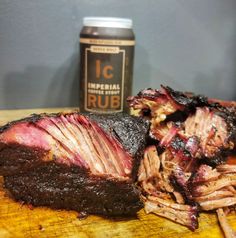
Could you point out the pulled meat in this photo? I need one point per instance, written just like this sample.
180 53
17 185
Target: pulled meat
169 191
158 192
194 136
211 129
216 189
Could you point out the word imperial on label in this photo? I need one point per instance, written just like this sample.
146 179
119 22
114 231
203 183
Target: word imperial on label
102 86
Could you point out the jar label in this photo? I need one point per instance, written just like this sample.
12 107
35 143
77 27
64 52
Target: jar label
104 74
107 42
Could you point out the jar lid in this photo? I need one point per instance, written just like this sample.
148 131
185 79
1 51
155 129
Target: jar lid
108 22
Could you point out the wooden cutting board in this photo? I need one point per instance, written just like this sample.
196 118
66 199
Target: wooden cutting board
17 220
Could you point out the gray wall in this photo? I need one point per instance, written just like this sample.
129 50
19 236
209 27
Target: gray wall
187 44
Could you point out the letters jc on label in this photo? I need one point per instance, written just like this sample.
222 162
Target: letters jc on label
104 73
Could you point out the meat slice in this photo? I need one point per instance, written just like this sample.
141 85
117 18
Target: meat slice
86 163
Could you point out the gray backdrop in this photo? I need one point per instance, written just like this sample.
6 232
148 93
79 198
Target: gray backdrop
187 44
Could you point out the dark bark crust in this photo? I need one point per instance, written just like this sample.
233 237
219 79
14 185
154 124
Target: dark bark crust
61 187
16 159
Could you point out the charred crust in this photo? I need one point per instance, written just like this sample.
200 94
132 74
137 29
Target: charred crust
219 158
146 93
132 132
72 188
177 96
183 99
230 119
15 158
178 144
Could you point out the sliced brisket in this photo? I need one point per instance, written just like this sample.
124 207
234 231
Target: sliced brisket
83 162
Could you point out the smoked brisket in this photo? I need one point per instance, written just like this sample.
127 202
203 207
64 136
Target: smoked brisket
86 163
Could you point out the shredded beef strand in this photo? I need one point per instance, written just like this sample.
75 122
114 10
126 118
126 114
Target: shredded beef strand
184 217
210 187
218 203
228 232
226 168
171 204
224 193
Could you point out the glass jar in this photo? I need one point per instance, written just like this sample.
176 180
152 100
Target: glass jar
106 64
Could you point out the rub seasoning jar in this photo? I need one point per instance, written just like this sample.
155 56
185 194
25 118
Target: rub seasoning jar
106 64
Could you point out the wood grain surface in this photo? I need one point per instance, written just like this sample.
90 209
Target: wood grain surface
17 220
